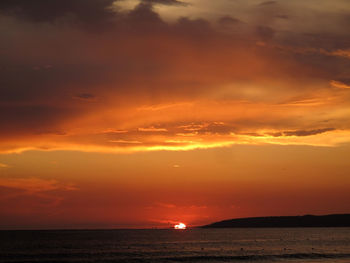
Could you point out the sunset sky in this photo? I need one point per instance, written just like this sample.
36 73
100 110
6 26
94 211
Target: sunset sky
146 113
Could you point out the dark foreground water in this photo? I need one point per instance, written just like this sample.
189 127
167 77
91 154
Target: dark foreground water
194 245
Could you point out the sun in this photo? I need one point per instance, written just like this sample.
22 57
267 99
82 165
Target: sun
180 226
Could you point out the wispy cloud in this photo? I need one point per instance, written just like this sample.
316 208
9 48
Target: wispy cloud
165 205
2 165
35 185
34 192
339 84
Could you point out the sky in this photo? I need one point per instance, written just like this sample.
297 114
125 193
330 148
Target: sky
146 113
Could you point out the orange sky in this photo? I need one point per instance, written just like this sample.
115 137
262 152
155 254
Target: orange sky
145 113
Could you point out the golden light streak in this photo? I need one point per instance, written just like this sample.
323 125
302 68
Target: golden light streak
339 84
208 141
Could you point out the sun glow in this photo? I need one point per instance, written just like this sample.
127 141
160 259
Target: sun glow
180 226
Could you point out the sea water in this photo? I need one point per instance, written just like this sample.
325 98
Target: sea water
167 245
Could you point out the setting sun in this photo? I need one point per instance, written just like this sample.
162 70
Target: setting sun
180 226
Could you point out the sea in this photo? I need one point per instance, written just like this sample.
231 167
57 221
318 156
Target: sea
313 245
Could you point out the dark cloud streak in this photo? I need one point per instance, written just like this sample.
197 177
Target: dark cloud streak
165 2
86 11
307 132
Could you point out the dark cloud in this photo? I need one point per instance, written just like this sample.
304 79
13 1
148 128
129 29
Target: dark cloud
165 2
228 21
301 133
84 96
268 3
276 134
282 16
144 17
307 132
39 83
265 32
87 11
32 120
217 128
267 14
345 81
195 27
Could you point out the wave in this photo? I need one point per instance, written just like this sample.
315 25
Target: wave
142 258
259 257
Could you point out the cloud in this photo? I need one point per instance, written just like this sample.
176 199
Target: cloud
165 2
152 129
84 96
307 132
160 85
265 32
282 16
32 195
228 21
166 205
35 185
268 3
86 11
341 53
2 165
143 13
36 119
339 84
125 142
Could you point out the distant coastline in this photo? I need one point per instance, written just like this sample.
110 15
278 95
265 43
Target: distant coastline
334 220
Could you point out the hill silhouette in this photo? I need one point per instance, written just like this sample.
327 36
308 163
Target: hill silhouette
335 220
